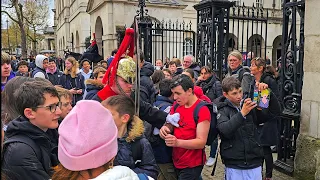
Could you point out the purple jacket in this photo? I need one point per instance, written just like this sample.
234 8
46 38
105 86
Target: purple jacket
12 75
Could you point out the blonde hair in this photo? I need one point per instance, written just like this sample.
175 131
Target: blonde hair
73 70
178 61
236 54
63 92
5 58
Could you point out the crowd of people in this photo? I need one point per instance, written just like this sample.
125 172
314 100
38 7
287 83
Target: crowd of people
77 122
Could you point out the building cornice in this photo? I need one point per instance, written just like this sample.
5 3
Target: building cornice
91 9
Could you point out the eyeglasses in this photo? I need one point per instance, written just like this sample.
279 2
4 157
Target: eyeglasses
66 104
52 107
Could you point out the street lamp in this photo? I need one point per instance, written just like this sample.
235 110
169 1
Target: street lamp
8 35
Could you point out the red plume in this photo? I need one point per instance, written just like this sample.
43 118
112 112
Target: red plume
127 42
94 42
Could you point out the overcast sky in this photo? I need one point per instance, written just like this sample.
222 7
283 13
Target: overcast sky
50 20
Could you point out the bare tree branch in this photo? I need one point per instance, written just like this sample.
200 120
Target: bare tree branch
16 21
8 7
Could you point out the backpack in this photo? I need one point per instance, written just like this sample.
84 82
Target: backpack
136 152
213 131
28 141
243 71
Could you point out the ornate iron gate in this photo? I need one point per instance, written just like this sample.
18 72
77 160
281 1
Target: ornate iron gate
162 39
212 32
221 30
291 82
214 41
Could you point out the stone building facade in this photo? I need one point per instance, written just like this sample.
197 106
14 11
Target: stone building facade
75 20
48 42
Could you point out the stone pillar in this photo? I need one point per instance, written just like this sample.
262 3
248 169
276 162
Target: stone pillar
307 159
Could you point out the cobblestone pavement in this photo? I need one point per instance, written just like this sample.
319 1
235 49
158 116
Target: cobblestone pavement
219 173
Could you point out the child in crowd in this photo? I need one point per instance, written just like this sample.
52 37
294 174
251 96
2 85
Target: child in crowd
88 145
163 153
134 150
241 151
23 69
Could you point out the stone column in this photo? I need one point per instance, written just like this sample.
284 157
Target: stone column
307 159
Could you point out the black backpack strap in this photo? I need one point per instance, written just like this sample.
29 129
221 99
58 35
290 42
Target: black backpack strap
176 105
196 111
21 138
136 151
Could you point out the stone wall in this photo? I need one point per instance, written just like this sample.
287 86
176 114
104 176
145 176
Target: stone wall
308 143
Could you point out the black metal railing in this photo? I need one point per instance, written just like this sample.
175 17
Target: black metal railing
248 30
291 82
171 39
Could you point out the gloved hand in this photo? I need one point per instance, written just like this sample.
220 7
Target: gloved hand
173 119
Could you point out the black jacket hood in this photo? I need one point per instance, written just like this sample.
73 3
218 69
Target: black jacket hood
21 125
147 69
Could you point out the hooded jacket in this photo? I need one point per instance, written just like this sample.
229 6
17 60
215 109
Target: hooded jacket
196 69
211 87
240 146
147 91
124 156
26 165
93 86
199 93
39 71
118 173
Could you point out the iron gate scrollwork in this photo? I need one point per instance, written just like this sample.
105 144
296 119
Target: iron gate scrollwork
212 32
291 82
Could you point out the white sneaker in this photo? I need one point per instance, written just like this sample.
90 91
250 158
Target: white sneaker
210 161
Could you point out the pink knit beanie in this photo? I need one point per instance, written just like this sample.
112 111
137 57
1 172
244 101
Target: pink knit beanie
87 137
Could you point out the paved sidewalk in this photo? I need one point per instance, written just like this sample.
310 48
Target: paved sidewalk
219 173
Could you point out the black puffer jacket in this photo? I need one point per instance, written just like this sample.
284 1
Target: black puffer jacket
147 91
20 159
211 87
240 145
124 156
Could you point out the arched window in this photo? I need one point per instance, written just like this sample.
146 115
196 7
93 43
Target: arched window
188 46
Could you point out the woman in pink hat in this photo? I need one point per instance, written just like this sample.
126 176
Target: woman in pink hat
88 145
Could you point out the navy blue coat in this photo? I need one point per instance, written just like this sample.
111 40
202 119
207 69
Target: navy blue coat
162 153
147 91
65 82
55 77
93 86
124 156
